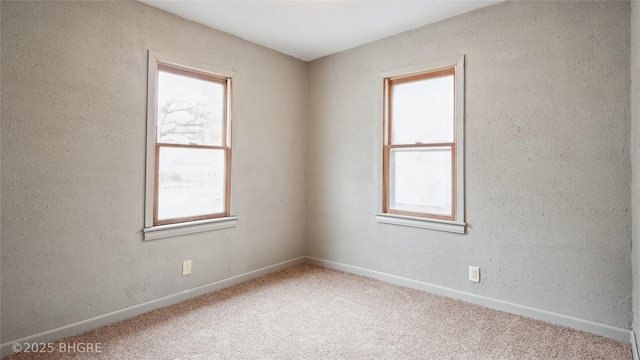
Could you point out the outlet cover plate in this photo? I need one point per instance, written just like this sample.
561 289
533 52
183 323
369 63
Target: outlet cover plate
186 267
474 274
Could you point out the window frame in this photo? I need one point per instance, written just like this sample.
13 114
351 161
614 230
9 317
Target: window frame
154 228
455 221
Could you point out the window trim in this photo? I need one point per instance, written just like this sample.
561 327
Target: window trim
151 231
453 223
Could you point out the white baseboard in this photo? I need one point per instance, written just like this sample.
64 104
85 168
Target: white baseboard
608 331
634 346
612 332
95 322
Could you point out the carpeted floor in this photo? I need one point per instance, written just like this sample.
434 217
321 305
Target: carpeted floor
309 312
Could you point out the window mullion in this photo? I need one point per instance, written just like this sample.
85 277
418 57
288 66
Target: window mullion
420 145
194 146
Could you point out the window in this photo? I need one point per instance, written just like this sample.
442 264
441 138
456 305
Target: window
423 149
188 147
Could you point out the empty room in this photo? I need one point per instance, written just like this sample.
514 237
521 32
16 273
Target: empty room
320 179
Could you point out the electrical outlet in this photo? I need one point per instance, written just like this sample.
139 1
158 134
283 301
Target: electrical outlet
186 267
474 274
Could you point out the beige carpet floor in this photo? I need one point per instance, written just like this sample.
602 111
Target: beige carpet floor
309 312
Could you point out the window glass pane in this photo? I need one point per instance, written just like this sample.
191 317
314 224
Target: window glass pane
420 180
191 182
190 110
422 111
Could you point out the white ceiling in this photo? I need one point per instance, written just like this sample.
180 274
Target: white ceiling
308 30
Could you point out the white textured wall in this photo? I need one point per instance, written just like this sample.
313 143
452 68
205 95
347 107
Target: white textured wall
547 158
635 158
73 161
